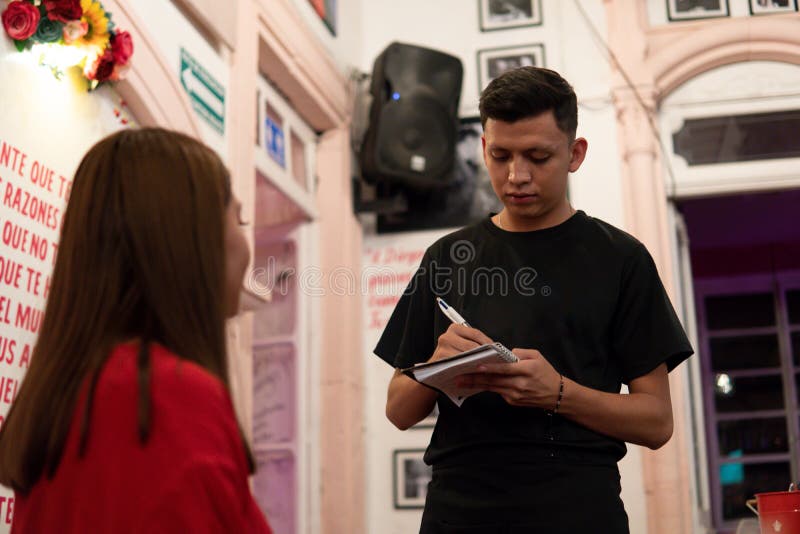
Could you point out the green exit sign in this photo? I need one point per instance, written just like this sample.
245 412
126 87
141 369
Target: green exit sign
206 93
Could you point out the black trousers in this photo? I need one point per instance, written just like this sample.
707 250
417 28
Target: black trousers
541 498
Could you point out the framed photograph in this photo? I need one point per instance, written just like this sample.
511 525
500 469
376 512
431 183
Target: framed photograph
326 10
696 9
411 477
503 14
764 7
492 62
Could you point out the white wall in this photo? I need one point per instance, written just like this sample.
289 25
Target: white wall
389 262
346 46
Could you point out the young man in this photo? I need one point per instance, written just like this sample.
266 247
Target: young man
582 306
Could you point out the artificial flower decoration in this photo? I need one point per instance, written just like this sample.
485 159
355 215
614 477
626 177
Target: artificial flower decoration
20 19
74 30
97 37
63 10
84 26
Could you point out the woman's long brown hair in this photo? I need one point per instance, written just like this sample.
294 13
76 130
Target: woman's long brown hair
141 256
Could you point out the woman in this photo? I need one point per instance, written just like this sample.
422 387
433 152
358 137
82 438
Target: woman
124 421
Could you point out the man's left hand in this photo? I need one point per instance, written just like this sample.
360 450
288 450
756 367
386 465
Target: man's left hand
531 381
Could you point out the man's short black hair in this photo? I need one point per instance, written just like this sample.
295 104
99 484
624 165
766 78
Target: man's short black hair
526 92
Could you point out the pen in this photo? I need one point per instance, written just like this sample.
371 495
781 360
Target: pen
451 314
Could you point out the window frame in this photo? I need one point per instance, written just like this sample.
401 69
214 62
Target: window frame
282 177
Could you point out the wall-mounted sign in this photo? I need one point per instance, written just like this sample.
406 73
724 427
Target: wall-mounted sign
275 142
207 94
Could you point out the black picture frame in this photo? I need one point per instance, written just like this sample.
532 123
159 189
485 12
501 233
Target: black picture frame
494 61
682 10
769 7
506 14
410 478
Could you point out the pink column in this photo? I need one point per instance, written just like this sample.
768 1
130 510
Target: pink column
241 162
666 471
341 413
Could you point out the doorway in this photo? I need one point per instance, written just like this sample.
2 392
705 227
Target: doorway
745 262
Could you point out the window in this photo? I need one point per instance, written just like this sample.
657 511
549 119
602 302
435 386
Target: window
749 334
286 146
732 138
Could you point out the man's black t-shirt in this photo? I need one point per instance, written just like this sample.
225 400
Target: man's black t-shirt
584 293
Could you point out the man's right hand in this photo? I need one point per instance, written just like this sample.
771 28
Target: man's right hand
408 402
456 339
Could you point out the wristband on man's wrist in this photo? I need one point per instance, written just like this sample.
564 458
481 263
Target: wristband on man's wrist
560 392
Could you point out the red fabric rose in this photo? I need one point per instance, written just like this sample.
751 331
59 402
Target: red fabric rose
20 20
122 47
63 10
102 68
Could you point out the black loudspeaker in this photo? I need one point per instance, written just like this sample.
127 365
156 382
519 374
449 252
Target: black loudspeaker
413 119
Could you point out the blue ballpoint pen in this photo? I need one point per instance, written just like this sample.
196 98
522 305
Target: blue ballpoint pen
451 314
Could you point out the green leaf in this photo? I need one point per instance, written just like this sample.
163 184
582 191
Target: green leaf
21 45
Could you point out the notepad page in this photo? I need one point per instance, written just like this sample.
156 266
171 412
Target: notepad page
455 369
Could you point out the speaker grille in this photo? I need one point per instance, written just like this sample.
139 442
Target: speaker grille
415 138
413 119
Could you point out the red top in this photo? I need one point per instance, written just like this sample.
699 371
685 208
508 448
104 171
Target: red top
190 476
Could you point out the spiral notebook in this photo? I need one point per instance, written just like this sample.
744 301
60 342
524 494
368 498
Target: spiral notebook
441 374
